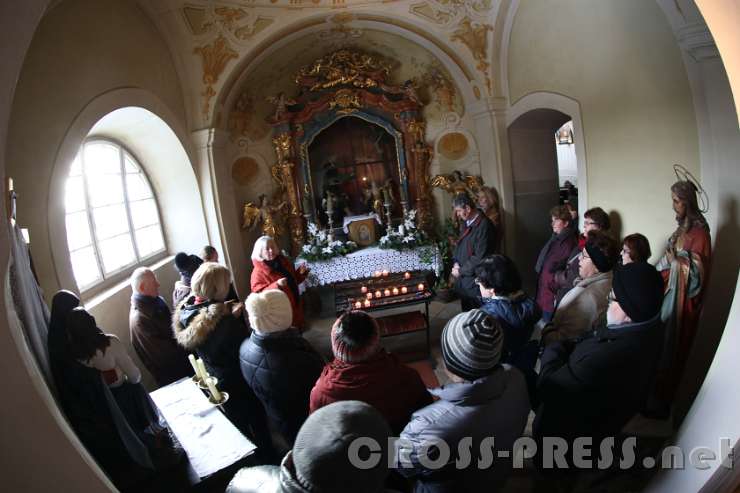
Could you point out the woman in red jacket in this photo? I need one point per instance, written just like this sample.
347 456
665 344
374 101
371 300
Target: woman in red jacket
273 271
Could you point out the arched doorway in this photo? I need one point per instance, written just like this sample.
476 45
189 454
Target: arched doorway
534 164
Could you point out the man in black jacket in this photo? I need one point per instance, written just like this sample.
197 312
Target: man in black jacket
477 241
593 386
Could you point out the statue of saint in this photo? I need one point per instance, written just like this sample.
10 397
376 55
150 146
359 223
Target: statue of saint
684 267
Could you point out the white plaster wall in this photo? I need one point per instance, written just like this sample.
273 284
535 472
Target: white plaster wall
567 165
39 453
620 61
82 50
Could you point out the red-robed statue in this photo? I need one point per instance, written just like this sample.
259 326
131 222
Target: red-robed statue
684 267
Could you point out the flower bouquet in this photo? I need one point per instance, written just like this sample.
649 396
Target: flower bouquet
406 236
322 246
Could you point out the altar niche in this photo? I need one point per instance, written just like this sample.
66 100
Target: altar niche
354 164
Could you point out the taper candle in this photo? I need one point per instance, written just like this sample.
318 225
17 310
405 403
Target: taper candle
202 368
194 364
211 382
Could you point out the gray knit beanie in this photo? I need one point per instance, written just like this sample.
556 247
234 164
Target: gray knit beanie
320 455
471 344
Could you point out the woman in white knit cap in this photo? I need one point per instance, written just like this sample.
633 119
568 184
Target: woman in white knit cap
277 363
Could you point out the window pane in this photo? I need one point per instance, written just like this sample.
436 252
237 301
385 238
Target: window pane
85 267
130 166
78 230
116 252
144 213
102 158
137 188
74 194
104 189
76 168
110 221
149 240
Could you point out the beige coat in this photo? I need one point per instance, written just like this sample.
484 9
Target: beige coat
580 309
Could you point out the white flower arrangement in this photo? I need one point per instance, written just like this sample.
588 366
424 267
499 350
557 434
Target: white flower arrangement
406 236
319 245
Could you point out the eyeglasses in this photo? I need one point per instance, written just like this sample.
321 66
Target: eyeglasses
588 222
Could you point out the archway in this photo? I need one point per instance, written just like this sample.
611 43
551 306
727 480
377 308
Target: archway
535 175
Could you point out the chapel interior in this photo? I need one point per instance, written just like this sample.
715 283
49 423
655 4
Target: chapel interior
221 105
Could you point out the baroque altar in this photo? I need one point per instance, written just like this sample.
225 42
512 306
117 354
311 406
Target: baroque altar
350 143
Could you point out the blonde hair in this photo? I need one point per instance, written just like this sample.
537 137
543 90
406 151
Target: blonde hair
211 281
260 245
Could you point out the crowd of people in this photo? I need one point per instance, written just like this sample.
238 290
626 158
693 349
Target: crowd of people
604 337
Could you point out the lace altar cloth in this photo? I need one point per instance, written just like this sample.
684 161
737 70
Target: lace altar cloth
363 263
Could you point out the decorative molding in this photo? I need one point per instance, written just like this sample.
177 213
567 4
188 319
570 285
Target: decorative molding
475 37
340 29
232 21
215 57
697 41
444 12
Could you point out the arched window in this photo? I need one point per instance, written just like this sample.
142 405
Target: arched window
111 214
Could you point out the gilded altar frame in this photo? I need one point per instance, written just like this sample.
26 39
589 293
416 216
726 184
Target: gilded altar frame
348 83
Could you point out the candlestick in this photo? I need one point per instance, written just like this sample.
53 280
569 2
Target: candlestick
367 303
202 368
210 381
194 364
407 275
395 291
387 292
421 286
363 289
404 289
378 294
358 305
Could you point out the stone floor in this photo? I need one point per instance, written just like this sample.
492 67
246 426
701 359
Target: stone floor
652 433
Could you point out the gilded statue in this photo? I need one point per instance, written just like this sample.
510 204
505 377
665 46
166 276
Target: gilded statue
343 67
457 182
266 213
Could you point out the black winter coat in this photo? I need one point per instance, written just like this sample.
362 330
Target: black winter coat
475 243
281 368
592 387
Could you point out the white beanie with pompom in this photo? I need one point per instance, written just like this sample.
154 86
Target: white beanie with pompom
269 311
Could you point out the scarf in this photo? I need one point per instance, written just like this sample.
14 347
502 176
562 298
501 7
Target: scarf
277 266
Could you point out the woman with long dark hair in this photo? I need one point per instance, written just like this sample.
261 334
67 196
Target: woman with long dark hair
271 270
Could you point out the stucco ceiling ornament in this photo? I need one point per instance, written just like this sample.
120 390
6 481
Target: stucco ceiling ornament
215 57
339 29
444 12
237 23
475 37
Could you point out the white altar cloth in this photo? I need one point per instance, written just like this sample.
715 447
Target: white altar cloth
363 263
211 441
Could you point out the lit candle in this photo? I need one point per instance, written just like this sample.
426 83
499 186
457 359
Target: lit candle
421 286
211 382
395 291
404 289
387 292
407 275
369 296
194 364
377 273
358 305
367 303
378 294
385 273
202 368
363 289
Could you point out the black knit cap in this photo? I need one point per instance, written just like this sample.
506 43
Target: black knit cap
187 264
638 288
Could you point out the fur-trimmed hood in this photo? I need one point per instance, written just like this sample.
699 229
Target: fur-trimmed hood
193 323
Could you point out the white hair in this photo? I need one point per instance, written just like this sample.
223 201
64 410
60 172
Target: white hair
137 277
259 246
